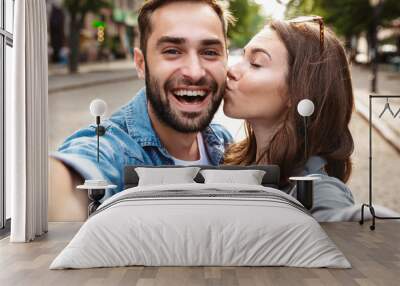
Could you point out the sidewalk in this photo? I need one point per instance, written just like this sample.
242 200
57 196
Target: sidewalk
388 84
90 74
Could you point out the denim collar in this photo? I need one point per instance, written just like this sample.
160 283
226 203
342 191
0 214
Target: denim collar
141 130
138 121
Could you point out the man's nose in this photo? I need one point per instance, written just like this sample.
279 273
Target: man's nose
194 69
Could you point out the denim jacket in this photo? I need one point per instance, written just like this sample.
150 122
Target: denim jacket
129 140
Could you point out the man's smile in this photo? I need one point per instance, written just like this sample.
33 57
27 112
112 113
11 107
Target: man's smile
190 99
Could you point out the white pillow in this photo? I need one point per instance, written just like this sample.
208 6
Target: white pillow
248 177
163 176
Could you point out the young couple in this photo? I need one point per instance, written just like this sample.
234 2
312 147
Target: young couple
183 59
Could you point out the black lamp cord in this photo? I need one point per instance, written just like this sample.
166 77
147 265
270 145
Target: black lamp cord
305 138
100 131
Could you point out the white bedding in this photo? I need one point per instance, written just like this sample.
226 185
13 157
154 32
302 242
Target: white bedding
201 224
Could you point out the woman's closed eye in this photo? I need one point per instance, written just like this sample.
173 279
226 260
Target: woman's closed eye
258 60
255 65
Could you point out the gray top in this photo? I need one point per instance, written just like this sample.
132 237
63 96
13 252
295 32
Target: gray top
330 194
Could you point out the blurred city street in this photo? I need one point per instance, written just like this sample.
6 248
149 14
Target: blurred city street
116 83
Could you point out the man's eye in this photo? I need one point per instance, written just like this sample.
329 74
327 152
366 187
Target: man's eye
171 52
211 53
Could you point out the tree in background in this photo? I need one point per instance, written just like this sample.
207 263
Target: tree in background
347 17
249 20
77 10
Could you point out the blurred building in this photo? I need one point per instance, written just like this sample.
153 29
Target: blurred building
388 45
109 34
389 39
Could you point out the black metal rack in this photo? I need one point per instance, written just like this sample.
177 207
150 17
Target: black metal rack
370 205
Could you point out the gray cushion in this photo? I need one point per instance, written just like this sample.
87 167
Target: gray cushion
270 179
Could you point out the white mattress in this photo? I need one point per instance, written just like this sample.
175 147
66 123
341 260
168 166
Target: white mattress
203 225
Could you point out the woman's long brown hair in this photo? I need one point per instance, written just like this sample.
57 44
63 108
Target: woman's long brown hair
323 78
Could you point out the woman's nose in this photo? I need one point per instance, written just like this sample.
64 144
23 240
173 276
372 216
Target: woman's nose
233 73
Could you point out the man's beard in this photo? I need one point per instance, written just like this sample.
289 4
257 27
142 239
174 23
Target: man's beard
188 122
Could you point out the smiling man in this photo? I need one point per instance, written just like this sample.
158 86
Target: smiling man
183 58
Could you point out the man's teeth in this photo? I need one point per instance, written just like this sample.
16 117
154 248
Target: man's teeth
190 93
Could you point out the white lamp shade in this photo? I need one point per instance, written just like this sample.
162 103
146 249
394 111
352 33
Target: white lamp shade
305 107
98 107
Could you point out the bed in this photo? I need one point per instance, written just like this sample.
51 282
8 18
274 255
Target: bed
201 224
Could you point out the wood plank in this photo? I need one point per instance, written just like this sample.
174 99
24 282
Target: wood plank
374 255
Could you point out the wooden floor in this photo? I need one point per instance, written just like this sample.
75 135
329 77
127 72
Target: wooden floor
374 255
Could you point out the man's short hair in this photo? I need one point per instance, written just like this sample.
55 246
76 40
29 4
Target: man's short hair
149 6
